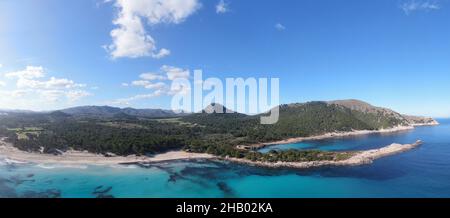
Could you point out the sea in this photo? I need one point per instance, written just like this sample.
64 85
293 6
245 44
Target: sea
422 172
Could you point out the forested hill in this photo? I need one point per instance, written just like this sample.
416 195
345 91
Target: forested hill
131 131
106 111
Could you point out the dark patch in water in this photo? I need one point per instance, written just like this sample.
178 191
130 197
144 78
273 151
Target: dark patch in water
100 190
18 180
170 168
225 170
210 173
228 192
174 177
5 190
50 193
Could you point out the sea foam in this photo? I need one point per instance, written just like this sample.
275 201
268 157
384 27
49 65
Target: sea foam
57 166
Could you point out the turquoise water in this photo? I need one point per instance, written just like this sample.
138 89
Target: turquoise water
423 172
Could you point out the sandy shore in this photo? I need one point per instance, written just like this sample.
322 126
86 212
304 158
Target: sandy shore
78 157
360 158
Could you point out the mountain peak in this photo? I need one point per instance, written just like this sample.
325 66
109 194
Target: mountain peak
216 108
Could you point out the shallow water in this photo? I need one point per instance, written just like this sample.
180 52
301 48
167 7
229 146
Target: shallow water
423 172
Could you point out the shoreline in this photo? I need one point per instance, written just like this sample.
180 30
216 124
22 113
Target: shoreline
73 157
334 135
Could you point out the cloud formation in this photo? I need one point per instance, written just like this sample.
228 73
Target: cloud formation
152 76
31 84
222 7
30 72
280 27
155 82
175 72
412 6
130 39
126 101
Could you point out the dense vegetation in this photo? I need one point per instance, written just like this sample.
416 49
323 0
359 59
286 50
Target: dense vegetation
218 134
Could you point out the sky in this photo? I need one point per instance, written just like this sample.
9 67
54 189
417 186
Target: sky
392 53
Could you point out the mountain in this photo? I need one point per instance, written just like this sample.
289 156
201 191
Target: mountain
366 108
300 120
104 111
314 118
109 112
304 119
149 112
216 108
8 111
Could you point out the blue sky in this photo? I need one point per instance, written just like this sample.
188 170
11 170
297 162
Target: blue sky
391 53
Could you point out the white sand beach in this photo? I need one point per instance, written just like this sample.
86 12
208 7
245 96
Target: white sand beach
79 157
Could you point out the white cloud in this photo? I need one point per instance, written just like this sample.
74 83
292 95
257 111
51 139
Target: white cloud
151 76
30 72
2 84
149 85
53 83
127 101
1 65
51 95
31 85
147 81
412 6
19 93
222 7
280 27
75 95
140 83
130 39
175 72
28 79
162 53
14 94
